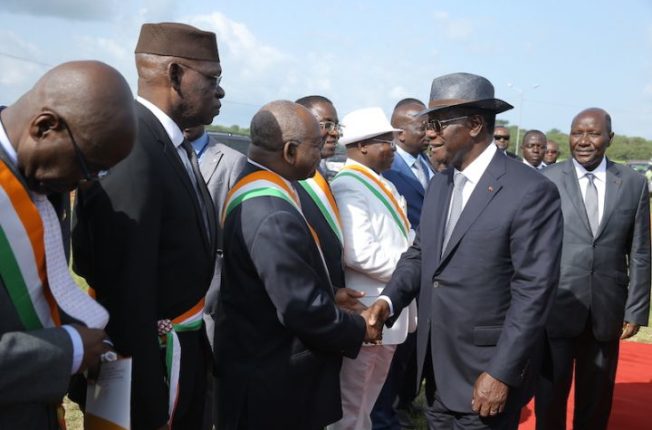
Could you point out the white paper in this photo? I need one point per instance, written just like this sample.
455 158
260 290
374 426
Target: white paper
108 401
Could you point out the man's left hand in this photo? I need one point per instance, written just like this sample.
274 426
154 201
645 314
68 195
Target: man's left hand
489 396
629 330
347 299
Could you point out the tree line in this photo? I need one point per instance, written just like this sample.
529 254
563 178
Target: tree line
623 148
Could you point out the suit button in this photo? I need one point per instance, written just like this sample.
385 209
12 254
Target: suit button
435 284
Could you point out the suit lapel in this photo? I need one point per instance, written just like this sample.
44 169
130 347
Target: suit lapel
612 188
488 187
572 188
173 158
408 175
210 159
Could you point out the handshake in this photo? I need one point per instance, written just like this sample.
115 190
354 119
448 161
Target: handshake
374 316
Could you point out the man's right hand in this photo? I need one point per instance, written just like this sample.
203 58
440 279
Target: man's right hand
375 317
94 347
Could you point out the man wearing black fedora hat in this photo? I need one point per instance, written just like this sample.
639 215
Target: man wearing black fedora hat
484 265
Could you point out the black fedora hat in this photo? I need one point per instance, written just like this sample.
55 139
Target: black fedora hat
464 90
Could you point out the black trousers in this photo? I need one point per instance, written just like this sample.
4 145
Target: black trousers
595 365
441 418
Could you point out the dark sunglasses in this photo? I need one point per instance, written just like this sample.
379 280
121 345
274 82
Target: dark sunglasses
498 137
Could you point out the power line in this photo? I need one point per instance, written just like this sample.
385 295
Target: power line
27 60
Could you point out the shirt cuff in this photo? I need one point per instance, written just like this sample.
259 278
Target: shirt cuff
77 348
389 302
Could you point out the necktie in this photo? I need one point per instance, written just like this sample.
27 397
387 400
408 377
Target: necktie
420 173
201 189
591 203
456 207
69 297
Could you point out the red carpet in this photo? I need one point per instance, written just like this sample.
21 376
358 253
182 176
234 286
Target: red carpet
632 407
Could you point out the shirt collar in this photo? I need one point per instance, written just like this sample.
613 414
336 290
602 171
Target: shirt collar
200 143
406 156
475 170
599 172
6 145
350 161
171 128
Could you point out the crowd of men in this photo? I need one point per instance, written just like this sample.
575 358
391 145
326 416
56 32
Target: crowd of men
251 293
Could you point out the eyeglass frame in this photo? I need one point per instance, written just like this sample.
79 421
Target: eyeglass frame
216 78
336 126
498 137
431 125
81 159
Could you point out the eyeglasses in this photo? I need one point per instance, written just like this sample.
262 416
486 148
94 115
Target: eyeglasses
389 142
439 125
81 160
214 79
498 137
551 151
331 126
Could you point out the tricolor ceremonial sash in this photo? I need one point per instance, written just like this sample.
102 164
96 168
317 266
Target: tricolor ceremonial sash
191 320
381 192
319 191
22 255
265 183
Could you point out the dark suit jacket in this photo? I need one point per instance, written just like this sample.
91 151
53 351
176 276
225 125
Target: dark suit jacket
330 244
34 365
279 337
408 186
483 303
141 243
609 275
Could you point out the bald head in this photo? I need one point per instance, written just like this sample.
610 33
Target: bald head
278 122
87 103
600 113
284 137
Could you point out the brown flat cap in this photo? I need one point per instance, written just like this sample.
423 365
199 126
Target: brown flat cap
177 40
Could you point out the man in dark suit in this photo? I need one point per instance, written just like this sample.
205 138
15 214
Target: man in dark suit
41 346
279 336
220 167
319 206
604 287
145 237
484 264
501 138
410 173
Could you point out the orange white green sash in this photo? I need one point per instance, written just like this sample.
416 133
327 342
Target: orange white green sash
381 192
191 320
319 191
265 183
22 255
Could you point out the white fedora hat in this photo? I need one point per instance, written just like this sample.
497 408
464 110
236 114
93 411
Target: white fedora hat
362 124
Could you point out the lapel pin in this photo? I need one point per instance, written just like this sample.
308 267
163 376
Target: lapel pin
491 189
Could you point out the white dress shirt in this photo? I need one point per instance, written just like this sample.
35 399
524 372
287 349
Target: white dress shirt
411 160
599 179
541 166
473 173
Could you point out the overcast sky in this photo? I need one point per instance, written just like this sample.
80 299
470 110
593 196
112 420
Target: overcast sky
366 53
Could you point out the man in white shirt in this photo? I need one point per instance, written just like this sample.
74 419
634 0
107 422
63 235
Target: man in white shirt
376 232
